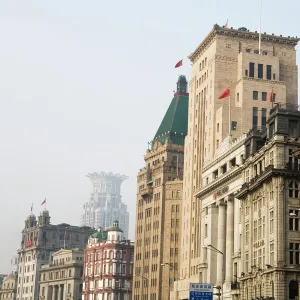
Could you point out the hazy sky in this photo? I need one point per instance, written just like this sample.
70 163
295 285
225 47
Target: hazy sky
83 87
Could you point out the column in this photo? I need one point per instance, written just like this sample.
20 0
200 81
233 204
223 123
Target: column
229 238
221 241
53 292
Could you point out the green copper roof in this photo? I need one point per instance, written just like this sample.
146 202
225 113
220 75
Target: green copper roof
174 123
115 229
100 235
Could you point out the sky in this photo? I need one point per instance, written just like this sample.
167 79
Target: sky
84 86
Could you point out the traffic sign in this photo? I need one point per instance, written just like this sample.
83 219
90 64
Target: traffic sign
201 291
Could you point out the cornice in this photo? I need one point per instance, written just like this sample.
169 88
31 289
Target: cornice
218 30
217 183
273 82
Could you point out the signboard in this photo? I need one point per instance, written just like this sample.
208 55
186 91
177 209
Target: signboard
201 291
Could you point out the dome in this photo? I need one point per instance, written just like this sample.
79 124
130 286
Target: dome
115 227
100 235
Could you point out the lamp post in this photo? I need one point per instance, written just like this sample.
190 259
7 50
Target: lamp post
211 247
143 280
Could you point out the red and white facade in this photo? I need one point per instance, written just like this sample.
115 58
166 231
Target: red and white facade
108 266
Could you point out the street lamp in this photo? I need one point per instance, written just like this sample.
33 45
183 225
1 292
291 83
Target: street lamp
211 247
144 279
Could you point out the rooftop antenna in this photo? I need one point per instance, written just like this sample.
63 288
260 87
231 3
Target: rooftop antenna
259 38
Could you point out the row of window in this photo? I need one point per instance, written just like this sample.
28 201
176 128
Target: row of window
264 96
104 254
260 71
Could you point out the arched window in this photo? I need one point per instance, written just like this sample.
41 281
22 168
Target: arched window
293 189
111 254
293 290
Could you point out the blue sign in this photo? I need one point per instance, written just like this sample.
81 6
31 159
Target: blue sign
201 291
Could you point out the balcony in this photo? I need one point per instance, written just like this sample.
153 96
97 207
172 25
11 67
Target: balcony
147 191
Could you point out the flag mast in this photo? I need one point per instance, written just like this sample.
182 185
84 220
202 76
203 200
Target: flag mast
259 38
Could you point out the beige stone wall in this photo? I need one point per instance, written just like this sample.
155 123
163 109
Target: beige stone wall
156 221
220 62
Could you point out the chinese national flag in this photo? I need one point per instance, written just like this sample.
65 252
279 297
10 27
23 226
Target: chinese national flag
179 64
271 97
44 202
225 94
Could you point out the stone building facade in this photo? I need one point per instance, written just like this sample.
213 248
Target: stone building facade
229 58
270 255
158 205
9 287
39 240
108 265
62 278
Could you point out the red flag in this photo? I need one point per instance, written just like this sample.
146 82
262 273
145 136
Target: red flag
225 94
179 64
226 25
271 97
44 202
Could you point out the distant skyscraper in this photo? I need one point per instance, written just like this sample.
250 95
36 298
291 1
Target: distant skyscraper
105 204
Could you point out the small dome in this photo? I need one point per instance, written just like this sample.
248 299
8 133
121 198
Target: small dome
100 235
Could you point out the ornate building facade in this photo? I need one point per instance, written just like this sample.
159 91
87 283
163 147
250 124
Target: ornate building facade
228 58
105 203
39 240
158 205
62 278
8 290
108 265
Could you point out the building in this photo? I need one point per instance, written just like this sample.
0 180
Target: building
9 287
218 217
2 276
14 263
39 240
62 278
158 206
270 206
229 58
108 265
105 203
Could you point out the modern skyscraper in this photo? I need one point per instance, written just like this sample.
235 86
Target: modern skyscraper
158 205
229 58
105 204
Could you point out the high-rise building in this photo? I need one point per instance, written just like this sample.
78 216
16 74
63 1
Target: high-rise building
61 279
108 265
229 58
105 203
39 240
158 205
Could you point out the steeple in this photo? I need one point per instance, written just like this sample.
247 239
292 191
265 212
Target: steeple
44 218
174 124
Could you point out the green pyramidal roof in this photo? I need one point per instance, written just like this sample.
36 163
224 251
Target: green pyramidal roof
174 124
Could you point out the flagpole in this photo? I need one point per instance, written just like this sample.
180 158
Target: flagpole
259 38
229 119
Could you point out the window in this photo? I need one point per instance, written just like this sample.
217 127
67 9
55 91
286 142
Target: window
237 97
248 50
263 117
269 72
233 125
271 221
217 144
254 117
293 128
256 51
251 70
294 220
293 189
255 95
294 253
264 96
246 73
206 230
218 127
260 71
224 168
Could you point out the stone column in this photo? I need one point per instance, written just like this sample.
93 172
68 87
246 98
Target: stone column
53 292
221 241
59 292
229 238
